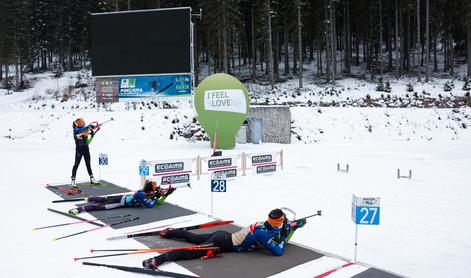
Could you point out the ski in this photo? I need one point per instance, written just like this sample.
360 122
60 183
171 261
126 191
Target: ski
142 251
94 229
81 221
199 226
158 227
73 216
143 270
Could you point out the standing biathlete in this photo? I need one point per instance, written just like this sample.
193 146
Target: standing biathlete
149 196
83 136
272 234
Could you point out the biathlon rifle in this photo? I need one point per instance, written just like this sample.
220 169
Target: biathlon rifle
95 125
319 213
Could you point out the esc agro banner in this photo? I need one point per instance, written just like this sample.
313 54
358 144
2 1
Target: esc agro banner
155 86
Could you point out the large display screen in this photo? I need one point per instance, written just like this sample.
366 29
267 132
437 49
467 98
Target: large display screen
141 42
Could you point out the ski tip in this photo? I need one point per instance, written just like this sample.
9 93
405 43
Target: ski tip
34 229
54 239
91 250
75 259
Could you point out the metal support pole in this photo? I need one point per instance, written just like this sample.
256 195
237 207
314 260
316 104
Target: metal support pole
356 244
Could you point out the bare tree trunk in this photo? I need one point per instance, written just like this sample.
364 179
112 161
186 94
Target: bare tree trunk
418 47
254 56
396 46
452 54
407 40
286 46
402 38
380 37
468 41
17 56
427 40
224 38
270 47
357 58
445 54
333 38
276 56
300 52
435 60
348 41
327 42
389 38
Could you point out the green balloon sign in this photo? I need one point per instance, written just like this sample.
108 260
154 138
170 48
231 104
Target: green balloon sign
222 104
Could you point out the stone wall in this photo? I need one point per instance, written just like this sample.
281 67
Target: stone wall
276 123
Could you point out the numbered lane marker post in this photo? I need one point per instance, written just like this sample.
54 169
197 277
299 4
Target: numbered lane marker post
143 172
218 184
102 160
365 211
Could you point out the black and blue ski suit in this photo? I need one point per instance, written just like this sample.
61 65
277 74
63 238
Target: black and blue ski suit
81 148
260 234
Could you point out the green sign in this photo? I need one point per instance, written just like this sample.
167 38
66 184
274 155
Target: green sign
222 104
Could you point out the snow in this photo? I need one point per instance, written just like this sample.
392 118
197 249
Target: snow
425 228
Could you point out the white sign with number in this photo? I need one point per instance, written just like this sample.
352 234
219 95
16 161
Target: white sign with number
365 210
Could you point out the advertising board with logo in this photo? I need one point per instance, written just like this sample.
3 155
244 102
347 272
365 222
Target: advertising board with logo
174 172
223 165
263 163
154 86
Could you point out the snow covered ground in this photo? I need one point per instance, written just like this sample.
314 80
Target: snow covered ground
425 228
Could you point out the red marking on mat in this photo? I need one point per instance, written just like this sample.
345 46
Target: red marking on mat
333 270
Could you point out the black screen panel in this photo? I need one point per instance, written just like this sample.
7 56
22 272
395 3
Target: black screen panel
141 42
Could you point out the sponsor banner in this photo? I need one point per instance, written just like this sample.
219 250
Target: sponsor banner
107 90
222 163
176 179
153 86
265 169
226 100
230 173
263 163
263 158
169 167
173 171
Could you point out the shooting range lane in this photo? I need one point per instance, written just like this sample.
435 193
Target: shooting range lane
157 213
259 263
88 189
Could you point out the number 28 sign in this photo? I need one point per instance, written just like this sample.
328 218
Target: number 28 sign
365 210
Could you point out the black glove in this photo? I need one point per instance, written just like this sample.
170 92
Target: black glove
285 229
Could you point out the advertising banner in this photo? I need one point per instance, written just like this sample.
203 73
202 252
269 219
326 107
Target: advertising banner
154 86
174 172
263 163
223 165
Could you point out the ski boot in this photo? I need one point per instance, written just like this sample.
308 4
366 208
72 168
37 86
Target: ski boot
93 180
150 263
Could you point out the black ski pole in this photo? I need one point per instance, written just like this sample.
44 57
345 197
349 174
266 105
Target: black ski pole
69 200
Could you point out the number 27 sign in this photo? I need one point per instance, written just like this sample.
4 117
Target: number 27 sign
365 210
